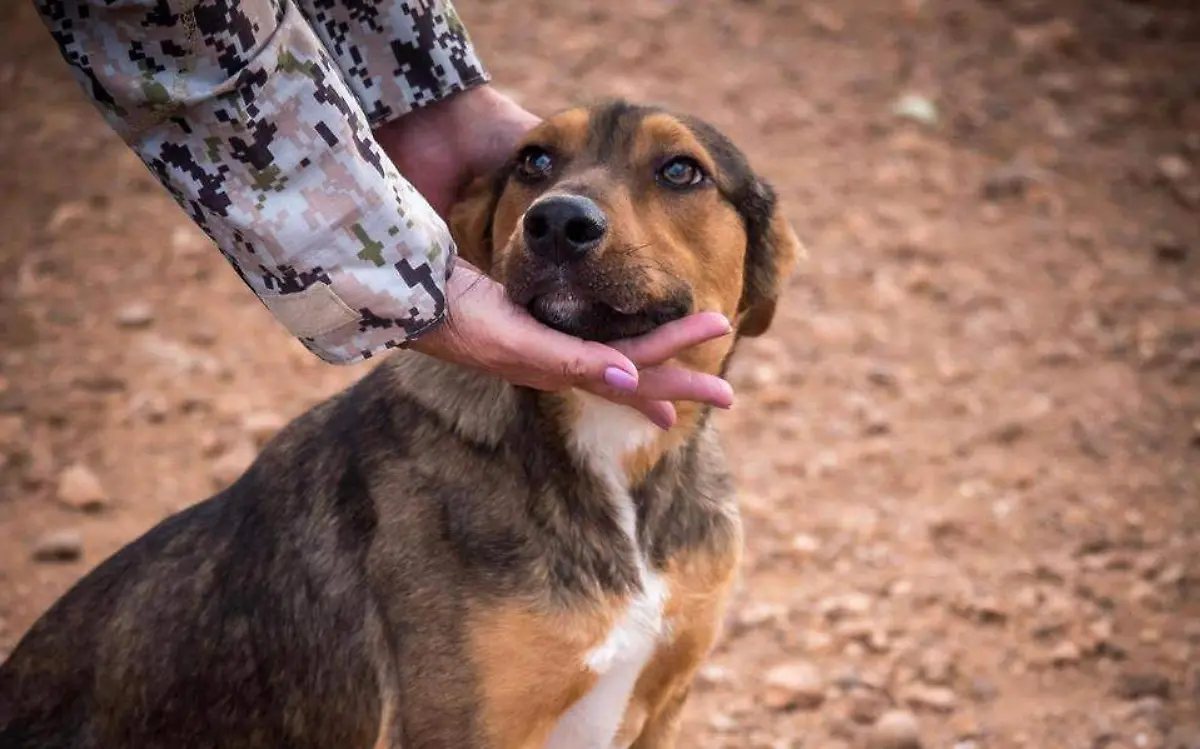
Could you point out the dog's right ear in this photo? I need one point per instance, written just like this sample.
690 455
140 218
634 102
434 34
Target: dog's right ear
471 220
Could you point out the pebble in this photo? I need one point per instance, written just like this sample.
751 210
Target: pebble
261 426
895 729
758 615
847 604
917 108
1169 248
826 19
938 699
12 430
713 675
723 723
135 315
936 667
1007 182
1173 167
795 685
66 214
983 690
867 705
1133 685
80 489
231 464
805 544
59 546
1065 654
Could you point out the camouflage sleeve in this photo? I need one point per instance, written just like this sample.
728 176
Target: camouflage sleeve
396 56
245 116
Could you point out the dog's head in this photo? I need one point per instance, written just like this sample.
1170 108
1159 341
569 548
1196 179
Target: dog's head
614 219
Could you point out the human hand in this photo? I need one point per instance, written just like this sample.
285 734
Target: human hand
488 332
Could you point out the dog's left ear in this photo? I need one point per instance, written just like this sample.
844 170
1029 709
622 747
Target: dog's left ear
471 221
772 251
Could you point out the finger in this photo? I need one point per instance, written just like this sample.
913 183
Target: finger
679 384
661 413
557 361
668 340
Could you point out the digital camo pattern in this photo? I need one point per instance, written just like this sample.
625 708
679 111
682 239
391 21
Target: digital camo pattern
258 125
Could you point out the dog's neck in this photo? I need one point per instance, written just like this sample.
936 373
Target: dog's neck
614 441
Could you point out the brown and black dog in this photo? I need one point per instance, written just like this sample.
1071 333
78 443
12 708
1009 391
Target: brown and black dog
433 558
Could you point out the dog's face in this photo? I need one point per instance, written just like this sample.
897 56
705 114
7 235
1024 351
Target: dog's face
612 220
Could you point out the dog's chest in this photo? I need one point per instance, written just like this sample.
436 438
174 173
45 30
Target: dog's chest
603 435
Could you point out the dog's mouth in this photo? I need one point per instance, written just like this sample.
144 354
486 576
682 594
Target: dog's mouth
569 307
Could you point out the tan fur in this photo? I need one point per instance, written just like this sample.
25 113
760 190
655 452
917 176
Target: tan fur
519 650
700 588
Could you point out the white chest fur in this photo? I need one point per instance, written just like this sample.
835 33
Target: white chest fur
604 434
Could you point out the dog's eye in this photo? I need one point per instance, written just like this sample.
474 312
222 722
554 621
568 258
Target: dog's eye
681 172
534 164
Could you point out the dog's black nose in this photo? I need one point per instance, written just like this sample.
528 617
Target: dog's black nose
564 228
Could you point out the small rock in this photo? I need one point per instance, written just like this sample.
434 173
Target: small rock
873 636
1054 35
761 376
203 335
12 431
66 214
867 706
883 377
723 723
135 315
938 699
1065 654
1133 685
80 489
936 667
796 685
826 19
187 241
59 546
1008 182
983 690
712 675
1173 167
1169 248
895 729
152 406
847 604
261 426
805 544
916 108
232 464
965 726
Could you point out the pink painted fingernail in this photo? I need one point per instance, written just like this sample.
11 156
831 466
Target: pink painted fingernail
620 379
726 398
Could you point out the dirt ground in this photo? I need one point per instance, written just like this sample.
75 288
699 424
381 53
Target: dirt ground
969 450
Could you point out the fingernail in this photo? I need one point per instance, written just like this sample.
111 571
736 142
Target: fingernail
663 423
727 395
621 380
724 320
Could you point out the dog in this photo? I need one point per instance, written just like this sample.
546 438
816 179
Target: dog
435 558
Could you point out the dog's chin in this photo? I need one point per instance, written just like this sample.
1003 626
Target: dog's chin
571 312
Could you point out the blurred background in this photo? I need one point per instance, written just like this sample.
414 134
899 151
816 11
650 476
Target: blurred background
969 450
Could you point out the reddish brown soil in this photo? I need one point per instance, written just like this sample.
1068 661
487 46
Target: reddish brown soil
969 450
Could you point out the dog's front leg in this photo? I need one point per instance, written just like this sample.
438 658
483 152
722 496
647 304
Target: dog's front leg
662 729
